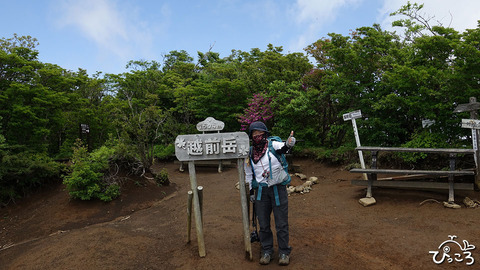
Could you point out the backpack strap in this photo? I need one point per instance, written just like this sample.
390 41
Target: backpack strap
256 185
281 159
275 192
254 178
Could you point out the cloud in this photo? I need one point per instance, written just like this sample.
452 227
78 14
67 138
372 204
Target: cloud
313 15
460 15
117 31
319 11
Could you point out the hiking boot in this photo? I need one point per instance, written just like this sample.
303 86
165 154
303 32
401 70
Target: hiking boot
266 258
284 259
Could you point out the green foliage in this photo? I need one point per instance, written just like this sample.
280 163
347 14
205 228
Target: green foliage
87 179
164 151
424 139
340 155
161 178
24 171
396 80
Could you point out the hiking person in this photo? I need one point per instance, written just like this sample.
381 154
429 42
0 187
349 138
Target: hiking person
267 177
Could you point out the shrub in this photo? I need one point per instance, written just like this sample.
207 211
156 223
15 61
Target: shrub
424 139
340 155
89 173
164 151
162 178
24 171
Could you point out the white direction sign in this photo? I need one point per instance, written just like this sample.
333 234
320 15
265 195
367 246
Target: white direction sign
352 115
471 123
212 146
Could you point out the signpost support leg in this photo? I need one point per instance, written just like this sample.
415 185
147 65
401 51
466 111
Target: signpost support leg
451 198
200 199
196 209
476 157
373 176
357 140
189 215
472 106
243 199
474 115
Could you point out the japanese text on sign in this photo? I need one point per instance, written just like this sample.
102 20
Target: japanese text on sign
210 124
471 123
352 115
212 146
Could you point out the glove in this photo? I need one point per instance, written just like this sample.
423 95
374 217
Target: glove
291 140
252 198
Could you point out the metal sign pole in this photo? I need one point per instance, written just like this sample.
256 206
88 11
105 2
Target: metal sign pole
352 116
475 145
474 124
472 106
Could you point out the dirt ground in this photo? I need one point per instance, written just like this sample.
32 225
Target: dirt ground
146 228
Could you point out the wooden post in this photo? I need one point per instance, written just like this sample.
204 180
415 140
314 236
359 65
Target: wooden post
472 106
200 199
220 166
213 146
451 198
196 209
373 176
243 199
189 215
474 115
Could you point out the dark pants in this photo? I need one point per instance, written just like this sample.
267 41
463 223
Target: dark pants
264 209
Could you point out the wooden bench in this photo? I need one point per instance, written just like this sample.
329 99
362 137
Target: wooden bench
451 173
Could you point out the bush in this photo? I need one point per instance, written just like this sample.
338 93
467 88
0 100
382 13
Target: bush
24 171
164 151
424 139
162 178
340 155
89 174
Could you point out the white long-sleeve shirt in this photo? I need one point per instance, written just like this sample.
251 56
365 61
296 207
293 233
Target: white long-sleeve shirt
262 165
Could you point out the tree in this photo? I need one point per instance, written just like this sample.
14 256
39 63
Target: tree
138 117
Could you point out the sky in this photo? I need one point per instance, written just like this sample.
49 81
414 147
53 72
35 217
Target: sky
103 35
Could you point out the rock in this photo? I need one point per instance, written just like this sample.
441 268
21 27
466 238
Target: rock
237 185
290 189
299 188
367 201
301 176
314 179
469 202
452 205
308 183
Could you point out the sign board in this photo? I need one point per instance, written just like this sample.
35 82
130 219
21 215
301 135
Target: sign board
427 123
85 128
471 123
467 107
212 146
352 115
210 124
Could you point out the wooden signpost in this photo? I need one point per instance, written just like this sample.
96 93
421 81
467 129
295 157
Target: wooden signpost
214 146
352 116
473 106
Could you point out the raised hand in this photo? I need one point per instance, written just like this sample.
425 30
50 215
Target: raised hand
291 140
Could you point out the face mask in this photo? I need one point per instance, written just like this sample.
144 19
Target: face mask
259 139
